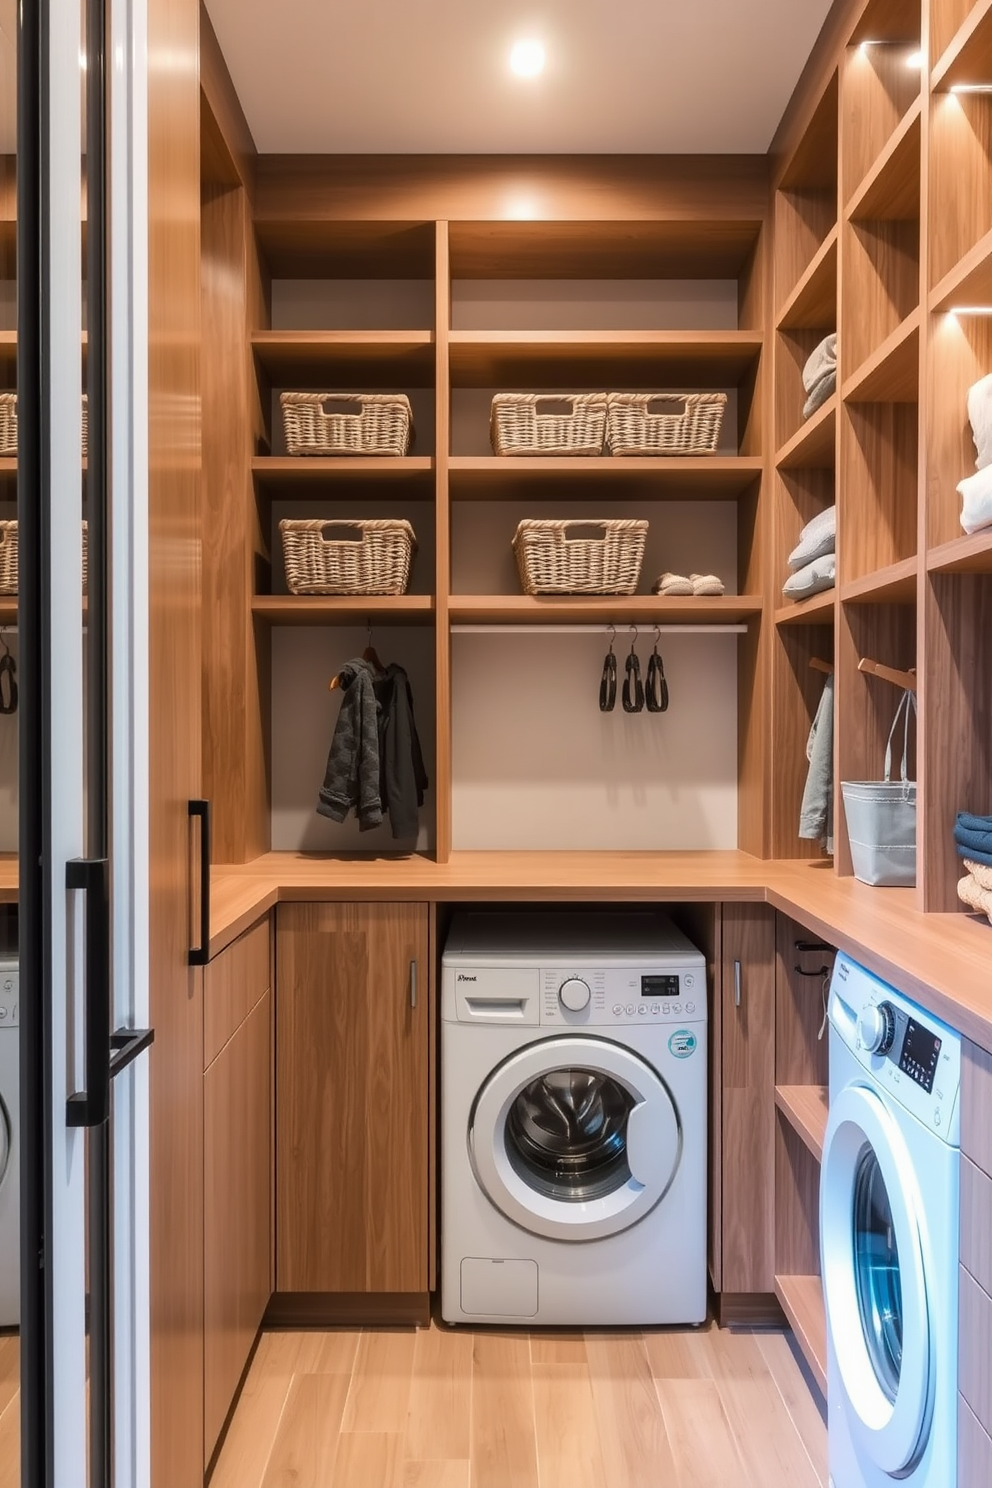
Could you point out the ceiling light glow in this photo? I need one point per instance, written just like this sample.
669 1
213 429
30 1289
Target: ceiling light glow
915 61
972 88
527 58
971 310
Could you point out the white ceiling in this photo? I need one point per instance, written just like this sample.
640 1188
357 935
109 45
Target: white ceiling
409 76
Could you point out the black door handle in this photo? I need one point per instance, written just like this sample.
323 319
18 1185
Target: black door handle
127 1044
199 955
91 1107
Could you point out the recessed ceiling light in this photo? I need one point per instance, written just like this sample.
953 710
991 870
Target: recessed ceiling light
527 58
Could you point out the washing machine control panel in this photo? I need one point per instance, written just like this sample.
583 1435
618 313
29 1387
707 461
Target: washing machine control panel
9 991
601 996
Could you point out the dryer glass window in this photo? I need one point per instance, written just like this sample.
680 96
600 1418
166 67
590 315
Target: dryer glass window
876 1269
566 1134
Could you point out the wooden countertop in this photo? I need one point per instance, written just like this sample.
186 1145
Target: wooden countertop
942 961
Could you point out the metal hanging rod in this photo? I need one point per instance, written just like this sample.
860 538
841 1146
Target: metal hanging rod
643 628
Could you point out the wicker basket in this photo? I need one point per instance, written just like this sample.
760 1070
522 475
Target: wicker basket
664 423
561 557
539 424
8 424
348 556
347 423
8 557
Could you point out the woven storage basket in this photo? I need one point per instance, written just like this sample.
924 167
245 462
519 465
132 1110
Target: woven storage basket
8 557
347 423
585 557
664 423
8 424
540 424
347 557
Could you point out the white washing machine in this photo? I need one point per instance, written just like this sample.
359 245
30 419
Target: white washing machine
889 1238
10 1207
573 1111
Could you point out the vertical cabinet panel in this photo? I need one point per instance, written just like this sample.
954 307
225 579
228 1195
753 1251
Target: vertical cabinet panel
748 1098
237 1165
351 1098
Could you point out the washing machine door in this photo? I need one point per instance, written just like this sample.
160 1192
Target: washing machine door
6 1140
874 1281
575 1138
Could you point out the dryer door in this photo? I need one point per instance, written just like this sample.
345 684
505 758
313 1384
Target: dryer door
874 1281
6 1139
575 1138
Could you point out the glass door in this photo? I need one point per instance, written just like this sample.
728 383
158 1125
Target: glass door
82 896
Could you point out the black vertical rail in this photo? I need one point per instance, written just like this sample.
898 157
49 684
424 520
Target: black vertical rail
33 507
97 714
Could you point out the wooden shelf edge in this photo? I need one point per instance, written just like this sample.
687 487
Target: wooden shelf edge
319 609
964 554
815 436
307 467
801 1298
910 122
562 609
578 465
331 339
955 287
895 584
819 610
804 1107
817 266
868 384
942 75
698 341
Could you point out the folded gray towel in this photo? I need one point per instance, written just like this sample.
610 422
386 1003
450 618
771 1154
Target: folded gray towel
822 390
980 414
817 538
822 361
815 577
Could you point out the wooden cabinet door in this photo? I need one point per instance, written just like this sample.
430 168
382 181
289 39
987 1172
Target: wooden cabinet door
237 1167
748 1059
351 1098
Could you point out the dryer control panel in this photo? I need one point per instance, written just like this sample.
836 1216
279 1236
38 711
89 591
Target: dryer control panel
577 996
9 991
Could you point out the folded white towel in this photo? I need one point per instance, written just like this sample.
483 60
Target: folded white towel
817 538
980 872
816 576
970 892
980 414
976 499
822 361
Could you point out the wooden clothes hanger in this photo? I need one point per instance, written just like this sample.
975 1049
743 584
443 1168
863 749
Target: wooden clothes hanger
817 665
370 654
905 680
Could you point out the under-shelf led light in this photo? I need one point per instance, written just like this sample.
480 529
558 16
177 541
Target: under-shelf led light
970 310
915 61
971 88
527 58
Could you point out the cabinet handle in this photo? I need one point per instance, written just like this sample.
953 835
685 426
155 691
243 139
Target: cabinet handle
200 955
91 1107
737 984
413 984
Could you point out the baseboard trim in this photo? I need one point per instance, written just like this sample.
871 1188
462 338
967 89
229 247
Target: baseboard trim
348 1309
749 1310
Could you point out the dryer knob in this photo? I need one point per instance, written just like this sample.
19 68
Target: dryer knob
877 1028
574 994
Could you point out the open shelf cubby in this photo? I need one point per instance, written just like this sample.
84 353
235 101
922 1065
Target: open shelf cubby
806 200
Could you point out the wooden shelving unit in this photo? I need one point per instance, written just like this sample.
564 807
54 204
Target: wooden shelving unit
376 358
601 359
969 282
895 584
891 374
307 478
813 301
891 189
965 555
968 57
805 1109
801 1299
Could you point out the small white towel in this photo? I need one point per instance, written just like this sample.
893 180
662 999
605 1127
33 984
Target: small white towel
980 414
970 892
816 576
822 361
817 538
976 499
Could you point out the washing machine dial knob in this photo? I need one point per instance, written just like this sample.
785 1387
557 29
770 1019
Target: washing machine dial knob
574 994
878 1028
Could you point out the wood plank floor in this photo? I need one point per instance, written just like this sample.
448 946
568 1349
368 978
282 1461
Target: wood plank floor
10 1411
446 1408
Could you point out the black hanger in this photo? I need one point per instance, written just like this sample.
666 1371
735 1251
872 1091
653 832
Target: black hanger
633 687
608 681
8 679
657 686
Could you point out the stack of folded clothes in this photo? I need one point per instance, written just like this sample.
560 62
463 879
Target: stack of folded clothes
813 561
973 839
976 490
820 375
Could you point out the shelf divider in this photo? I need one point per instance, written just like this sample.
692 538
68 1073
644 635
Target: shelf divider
891 190
813 302
814 445
319 609
801 1298
964 554
895 584
818 610
804 1107
892 373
